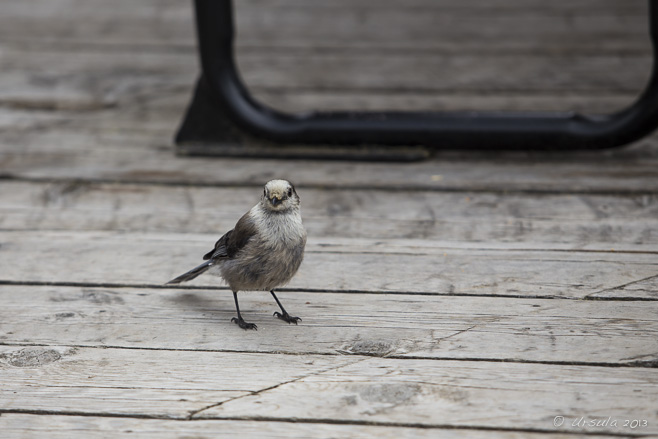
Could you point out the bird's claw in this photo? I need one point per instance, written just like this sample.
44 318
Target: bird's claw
244 325
287 317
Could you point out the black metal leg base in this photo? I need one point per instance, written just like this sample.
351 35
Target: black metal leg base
208 131
205 125
225 120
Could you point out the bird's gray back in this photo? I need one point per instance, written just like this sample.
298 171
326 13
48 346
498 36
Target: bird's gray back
272 255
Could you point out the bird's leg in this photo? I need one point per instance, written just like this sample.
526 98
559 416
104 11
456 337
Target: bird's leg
283 315
239 320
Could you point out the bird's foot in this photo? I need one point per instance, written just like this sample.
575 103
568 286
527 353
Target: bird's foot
244 325
287 318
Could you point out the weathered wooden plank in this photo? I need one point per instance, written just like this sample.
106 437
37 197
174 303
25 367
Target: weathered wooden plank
647 287
77 150
510 26
482 328
598 25
373 390
18 119
91 77
83 77
582 221
374 266
292 100
15 426
141 382
88 147
87 81
157 109
488 395
456 73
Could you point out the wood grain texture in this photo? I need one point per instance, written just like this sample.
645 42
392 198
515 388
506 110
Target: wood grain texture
140 382
89 79
580 221
647 287
376 390
482 328
142 259
443 73
311 23
86 152
357 54
458 393
429 100
15 426
132 142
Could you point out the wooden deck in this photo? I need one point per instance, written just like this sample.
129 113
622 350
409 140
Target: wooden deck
480 295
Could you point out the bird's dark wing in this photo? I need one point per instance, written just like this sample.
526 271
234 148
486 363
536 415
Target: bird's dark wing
220 250
234 240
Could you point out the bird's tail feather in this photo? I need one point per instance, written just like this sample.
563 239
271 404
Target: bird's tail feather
196 271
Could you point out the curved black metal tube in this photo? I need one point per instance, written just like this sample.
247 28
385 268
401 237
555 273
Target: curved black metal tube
464 130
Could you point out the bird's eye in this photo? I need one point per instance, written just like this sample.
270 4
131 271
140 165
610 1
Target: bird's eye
290 192
264 192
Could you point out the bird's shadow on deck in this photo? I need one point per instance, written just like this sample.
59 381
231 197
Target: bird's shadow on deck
219 305
216 306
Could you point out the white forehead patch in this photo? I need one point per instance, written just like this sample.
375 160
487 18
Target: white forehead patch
277 186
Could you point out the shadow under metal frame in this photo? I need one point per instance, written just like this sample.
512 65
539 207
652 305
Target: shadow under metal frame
225 120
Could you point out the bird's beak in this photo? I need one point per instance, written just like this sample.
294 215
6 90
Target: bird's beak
275 201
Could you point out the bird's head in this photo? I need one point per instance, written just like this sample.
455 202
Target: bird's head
279 196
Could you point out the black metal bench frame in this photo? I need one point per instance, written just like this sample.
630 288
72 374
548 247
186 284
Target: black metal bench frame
224 119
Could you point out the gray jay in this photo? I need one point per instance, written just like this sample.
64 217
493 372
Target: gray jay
262 252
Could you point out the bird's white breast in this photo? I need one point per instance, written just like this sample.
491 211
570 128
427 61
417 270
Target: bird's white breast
279 228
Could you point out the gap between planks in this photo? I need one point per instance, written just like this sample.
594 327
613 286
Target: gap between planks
67 427
7 175
419 427
653 364
156 258
373 391
589 297
194 413
479 329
